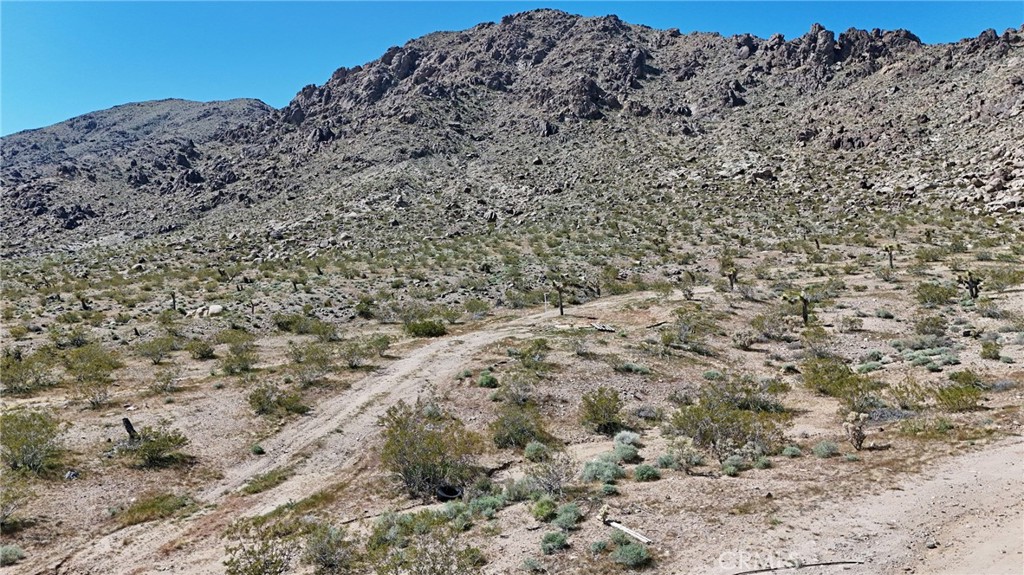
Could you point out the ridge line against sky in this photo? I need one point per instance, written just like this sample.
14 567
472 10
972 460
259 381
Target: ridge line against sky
63 59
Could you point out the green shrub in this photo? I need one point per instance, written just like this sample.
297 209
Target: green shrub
825 449
831 377
517 425
536 451
544 509
622 453
21 373
29 439
791 451
600 410
156 349
90 368
931 325
268 399
157 447
259 552
426 448
932 294
487 380
10 554
632 555
627 438
603 471
958 397
153 506
644 472
608 490
990 350
267 481
329 550
762 463
567 516
425 328
633 368
553 542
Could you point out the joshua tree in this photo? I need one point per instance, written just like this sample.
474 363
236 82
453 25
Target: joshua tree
805 300
972 283
891 249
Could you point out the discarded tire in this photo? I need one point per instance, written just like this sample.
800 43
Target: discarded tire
448 493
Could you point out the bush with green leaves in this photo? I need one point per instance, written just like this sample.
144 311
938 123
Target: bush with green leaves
628 438
329 550
544 509
632 555
425 328
935 325
427 448
258 551
156 349
10 554
200 349
601 410
90 368
487 380
241 355
29 439
958 397
791 451
552 474
724 420
553 542
517 425
991 350
603 471
22 373
622 453
644 472
14 494
311 362
567 516
832 377
825 449
268 399
931 294
434 552
536 451
157 447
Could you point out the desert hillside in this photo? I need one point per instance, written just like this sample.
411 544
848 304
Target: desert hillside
474 305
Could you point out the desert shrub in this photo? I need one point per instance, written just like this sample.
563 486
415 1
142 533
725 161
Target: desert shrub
850 324
967 377
90 368
532 355
627 438
20 373
425 328
544 509
266 481
908 394
536 451
10 554
825 449
631 555
932 294
311 362
609 490
476 307
990 350
957 397
377 344
552 474
772 326
259 551
622 453
241 355
329 550
831 377
600 410
567 517
603 471
156 349
153 506
487 380
644 472
629 367
426 448
14 494
517 425
791 451
157 447
29 439
553 542
268 399
200 349
762 463
354 352
931 325
724 419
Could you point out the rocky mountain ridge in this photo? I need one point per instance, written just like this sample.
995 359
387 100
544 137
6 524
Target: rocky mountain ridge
540 119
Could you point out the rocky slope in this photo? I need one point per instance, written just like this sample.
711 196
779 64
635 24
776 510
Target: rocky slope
544 118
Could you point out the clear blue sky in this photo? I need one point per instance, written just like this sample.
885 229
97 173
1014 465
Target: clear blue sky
59 60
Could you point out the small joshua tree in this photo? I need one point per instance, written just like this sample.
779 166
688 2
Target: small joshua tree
854 428
972 283
891 249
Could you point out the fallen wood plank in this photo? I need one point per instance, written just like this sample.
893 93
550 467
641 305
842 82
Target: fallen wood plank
630 532
602 327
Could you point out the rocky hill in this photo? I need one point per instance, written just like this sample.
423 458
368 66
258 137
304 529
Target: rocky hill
543 118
